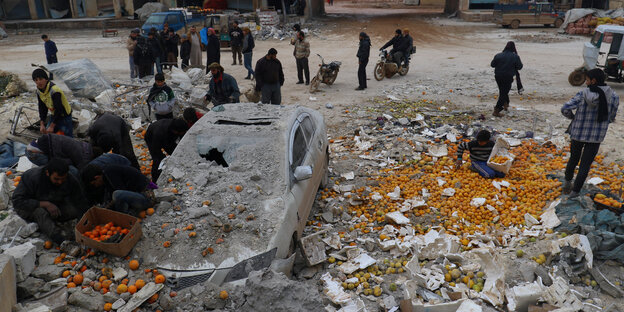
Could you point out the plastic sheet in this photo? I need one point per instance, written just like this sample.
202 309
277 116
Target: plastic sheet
82 77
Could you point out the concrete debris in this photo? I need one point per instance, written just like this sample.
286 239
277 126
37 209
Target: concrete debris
361 262
141 296
334 290
279 293
469 306
520 297
25 256
87 299
605 284
575 241
397 217
48 272
559 295
8 280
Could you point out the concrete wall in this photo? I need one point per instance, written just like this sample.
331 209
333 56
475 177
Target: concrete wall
440 3
8 295
616 4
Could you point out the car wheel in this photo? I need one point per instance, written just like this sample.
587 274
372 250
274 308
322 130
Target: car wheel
515 24
558 23
404 69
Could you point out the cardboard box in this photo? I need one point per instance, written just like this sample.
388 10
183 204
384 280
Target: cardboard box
501 148
97 216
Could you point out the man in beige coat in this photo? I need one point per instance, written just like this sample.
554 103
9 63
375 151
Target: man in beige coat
130 45
302 52
196 47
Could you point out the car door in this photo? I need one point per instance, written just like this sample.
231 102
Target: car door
300 154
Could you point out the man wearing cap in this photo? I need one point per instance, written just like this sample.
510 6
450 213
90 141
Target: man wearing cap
222 87
51 98
131 43
269 78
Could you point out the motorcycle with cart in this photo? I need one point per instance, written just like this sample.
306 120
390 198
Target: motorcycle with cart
609 39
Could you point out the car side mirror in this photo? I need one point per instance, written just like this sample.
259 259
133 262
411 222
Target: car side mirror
303 173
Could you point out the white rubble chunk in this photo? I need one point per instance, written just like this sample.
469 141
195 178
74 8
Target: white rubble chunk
439 150
135 123
530 220
449 192
431 279
360 262
118 304
25 256
387 245
4 192
440 181
477 202
376 196
141 296
396 194
549 217
398 218
334 290
595 181
520 297
469 306
348 175
559 294
119 274
575 241
494 287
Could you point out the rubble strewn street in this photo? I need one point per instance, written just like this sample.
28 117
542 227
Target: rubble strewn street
396 224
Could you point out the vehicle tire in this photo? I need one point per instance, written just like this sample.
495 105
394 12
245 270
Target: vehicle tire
558 23
515 24
403 71
576 78
314 84
379 72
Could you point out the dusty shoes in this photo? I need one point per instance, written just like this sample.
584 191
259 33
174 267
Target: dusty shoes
497 113
567 187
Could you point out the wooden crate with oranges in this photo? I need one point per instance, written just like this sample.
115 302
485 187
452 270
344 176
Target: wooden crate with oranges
607 201
109 231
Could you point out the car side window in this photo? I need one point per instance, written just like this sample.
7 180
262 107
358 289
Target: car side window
298 148
172 19
308 129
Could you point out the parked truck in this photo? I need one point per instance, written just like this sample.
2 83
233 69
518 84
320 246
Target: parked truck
537 13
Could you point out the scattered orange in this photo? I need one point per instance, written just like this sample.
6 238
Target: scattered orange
47 245
134 264
167 244
238 188
122 288
139 283
108 306
159 279
223 295
173 294
152 299
132 289
66 273
71 285
150 211
78 279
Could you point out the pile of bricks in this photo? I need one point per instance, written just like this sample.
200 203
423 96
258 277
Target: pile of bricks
582 26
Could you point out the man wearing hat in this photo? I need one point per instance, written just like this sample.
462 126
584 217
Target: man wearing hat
51 98
222 88
270 78
130 45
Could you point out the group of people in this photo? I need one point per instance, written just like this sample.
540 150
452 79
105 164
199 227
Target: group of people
72 175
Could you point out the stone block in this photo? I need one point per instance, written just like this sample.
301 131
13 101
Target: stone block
8 292
11 224
4 192
25 256
48 272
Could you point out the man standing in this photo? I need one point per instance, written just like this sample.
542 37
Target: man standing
131 43
49 194
196 47
171 46
143 57
213 49
50 52
111 132
123 186
51 98
363 54
302 52
185 51
155 44
222 87
248 46
236 41
269 78
163 135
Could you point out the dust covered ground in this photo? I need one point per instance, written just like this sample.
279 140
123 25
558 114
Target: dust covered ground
450 82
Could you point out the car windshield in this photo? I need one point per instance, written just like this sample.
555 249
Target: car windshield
156 19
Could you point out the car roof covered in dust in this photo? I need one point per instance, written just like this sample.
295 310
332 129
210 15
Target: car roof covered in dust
252 141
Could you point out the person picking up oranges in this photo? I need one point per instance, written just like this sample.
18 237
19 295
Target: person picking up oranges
480 150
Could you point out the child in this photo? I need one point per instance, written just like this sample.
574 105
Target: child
161 98
53 103
185 51
480 150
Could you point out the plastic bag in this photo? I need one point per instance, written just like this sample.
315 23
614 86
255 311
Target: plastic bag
81 76
181 79
196 75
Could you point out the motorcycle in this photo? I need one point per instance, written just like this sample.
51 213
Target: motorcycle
326 74
386 67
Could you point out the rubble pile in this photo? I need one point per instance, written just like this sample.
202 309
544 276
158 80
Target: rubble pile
281 32
10 84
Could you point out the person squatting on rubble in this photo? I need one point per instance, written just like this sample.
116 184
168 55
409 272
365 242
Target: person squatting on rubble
196 47
269 78
222 87
247 49
143 57
121 188
301 54
111 132
213 49
506 65
397 44
51 98
50 52
191 116
161 98
171 47
131 43
75 153
236 41
163 135
480 150
47 195
363 54
110 159
185 51
591 110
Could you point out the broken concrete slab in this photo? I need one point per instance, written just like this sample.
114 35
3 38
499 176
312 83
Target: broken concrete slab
30 287
25 256
577 241
11 225
397 217
48 272
141 296
279 293
4 193
88 300
334 291
8 293
520 297
494 287
469 306
56 300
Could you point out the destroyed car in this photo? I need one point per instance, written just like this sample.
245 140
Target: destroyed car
255 171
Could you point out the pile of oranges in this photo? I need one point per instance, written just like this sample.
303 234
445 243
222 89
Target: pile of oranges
103 232
607 201
499 159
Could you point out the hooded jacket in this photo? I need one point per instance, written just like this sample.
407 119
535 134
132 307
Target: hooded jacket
363 52
161 99
585 126
227 87
506 64
71 151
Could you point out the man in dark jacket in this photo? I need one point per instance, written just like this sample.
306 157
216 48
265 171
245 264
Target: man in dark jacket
213 49
49 194
185 51
143 57
50 52
506 65
125 186
248 46
171 46
51 98
163 135
155 44
72 152
407 45
362 54
269 78
236 41
396 42
222 88
108 132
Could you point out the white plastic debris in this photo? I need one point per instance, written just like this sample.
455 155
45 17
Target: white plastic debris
469 306
396 194
530 220
477 202
559 294
24 164
520 297
449 191
397 217
348 175
595 181
361 262
549 217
